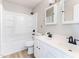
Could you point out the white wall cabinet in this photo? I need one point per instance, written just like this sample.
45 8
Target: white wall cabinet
70 11
51 15
43 50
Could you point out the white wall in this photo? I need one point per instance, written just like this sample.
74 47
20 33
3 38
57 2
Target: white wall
0 1
40 9
17 25
72 29
0 25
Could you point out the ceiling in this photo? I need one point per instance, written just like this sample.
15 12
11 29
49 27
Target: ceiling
26 3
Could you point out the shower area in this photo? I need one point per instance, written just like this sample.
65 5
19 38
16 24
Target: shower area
16 26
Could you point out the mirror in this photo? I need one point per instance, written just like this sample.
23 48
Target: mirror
71 10
51 15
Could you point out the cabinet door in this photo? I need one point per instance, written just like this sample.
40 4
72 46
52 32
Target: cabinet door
59 53
36 50
45 51
51 15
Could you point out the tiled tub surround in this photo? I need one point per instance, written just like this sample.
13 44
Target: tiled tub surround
61 43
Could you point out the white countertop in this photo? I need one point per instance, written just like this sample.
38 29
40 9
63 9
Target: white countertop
61 43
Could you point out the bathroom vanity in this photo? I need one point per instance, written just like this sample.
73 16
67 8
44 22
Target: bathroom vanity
56 47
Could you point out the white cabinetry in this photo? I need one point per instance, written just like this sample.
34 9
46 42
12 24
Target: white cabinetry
44 50
51 15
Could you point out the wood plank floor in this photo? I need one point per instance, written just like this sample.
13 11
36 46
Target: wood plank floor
21 54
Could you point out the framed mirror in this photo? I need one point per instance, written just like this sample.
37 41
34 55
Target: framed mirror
71 11
51 15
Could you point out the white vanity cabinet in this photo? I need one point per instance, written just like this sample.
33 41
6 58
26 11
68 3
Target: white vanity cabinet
44 50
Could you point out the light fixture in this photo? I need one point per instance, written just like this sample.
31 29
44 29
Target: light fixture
51 2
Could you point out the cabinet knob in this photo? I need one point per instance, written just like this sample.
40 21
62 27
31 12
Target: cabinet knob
62 11
38 48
